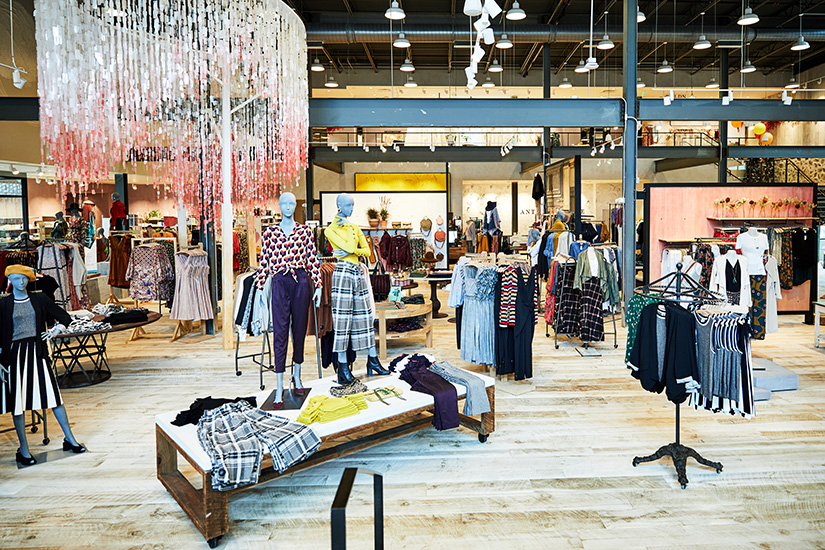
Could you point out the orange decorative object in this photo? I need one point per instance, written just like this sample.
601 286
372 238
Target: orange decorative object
736 123
759 129
766 138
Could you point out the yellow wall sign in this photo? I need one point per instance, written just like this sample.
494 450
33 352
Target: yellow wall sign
401 182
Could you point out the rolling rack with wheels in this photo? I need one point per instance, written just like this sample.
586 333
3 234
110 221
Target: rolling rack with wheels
670 289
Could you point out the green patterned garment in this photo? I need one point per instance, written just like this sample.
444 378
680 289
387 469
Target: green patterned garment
634 312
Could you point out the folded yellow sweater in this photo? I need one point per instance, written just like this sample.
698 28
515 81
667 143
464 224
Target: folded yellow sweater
322 408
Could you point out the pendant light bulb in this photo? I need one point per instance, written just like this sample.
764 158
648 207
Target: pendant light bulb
504 42
407 66
591 64
665 67
748 18
747 67
712 84
516 13
605 43
580 68
472 8
495 67
488 83
640 16
331 83
639 82
565 83
800 44
316 66
792 84
702 43
394 12
410 83
401 41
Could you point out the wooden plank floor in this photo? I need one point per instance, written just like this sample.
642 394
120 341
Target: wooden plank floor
557 472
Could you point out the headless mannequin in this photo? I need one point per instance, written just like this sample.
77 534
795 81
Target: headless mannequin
60 228
345 205
753 232
287 203
19 283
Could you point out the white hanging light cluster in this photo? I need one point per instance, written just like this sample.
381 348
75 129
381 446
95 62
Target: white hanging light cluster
487 11
123 82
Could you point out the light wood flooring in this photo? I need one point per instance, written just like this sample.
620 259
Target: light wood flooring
556 473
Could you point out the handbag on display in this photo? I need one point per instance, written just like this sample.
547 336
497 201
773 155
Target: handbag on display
380 282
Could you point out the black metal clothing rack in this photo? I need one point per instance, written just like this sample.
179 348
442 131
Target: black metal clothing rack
670 289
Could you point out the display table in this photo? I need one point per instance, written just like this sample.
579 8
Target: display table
379 422
819 309
69 348
386 311
434 284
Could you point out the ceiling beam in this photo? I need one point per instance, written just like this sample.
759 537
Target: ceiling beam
370 57
525 64
335 63
348 6
568 56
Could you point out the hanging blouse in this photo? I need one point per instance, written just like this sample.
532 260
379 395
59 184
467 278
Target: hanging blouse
282 253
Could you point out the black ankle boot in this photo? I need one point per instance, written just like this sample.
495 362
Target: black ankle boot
25 461
374 367
345 377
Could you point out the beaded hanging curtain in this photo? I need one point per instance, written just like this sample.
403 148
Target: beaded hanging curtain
138 83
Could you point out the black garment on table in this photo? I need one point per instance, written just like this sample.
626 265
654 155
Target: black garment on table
128 316
525 326
203 404
733 277
328 357
445 396
504 336
805 249
414 299
543 264
679 365
46 284
538 188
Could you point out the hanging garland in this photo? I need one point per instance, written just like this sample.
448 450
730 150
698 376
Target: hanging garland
137 83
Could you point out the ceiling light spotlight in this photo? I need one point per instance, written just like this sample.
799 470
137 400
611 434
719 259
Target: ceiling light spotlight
565 83
516 13
640 17
591 64
407 66
702 43
334 148
366 148
786 99
504 42
495 67
432 148
17 79
747 67
580 68
501 151
800 44
330 83
41 172
639 82
792 84
14 169
472 8
593 152
612 145
665 67
748 18
727 98
401 41
394 12
488 83
668 99
316 66
602 149
383 149
410 83
395 147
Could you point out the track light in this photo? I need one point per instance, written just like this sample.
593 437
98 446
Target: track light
639 82
495 67
665 67
798 46
407 66
472 8
334 148
401 41
747 67
395 147
383 149
41 172
580 68
331 82
786 99
14 169
516 13
792 84
565 83
727 98
605 43
432 148
504 42
748 18
668 99
602 149
593 152
612 145
17 79
394 12
366 148
640 17
712 84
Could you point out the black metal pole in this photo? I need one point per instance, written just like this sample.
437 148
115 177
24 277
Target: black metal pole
378 498
577 192
723 124
630 51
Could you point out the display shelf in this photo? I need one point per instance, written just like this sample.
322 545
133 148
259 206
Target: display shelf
734 220
408 334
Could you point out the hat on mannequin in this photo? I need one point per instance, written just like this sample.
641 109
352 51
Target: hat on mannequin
18 269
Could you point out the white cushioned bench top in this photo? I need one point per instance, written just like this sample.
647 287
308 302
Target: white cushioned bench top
186 437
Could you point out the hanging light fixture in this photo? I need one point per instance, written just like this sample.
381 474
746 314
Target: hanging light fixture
747 67
407 66
516 13
331 83
401 41
565 83
665 67
504 42
410 83
640 17
488 83
712 84
591 64
792 84
394 12
495 67
580 68
472 8
800 44
14 169
702 43
748 18
605 43
316 66
639 82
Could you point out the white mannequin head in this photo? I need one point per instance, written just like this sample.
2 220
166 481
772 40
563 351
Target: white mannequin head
345 204
287 203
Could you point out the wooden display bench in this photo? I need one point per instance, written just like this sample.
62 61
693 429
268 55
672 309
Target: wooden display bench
208 508
387 311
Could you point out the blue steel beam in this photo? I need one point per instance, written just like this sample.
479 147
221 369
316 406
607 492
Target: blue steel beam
423 154
739 109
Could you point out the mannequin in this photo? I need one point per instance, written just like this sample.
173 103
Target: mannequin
78 227
24 353
60 228
754 245
351 311
290 262
118 213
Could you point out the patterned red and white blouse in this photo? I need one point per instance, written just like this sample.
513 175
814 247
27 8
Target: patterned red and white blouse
281 253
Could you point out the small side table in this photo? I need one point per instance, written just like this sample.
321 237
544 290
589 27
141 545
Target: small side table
386 311
819 309
434 283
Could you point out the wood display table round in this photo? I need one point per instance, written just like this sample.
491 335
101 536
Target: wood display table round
434 284
387 311
69 348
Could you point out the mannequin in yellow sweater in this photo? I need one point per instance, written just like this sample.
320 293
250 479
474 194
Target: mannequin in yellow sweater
352 317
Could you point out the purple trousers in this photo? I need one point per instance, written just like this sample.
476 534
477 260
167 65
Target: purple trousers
290 300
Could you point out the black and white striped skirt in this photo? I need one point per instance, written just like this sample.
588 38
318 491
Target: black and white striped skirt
31 384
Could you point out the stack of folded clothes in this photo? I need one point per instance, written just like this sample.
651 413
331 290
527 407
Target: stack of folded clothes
322 408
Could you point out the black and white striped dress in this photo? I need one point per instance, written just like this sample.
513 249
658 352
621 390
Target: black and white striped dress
30 384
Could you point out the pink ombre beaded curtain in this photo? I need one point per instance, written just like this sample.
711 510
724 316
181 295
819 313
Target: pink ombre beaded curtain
137 83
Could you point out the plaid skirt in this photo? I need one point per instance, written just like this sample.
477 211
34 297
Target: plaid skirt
592 318
30 384
352 319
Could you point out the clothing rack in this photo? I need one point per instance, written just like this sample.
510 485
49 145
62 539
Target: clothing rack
678 288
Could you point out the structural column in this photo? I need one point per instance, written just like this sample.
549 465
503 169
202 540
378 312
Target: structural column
630 55
723 124
226 209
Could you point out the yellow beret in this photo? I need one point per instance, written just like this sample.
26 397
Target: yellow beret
20 270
